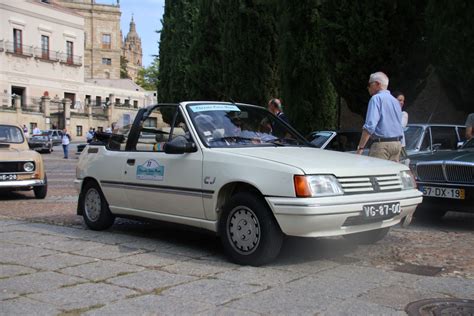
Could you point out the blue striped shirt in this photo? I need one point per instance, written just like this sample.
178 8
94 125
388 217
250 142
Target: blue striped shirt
384 116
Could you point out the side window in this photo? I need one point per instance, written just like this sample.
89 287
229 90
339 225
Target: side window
462 133
164 124
445 136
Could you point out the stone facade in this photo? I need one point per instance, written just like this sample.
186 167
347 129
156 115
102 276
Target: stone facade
44 85
132 51
103 42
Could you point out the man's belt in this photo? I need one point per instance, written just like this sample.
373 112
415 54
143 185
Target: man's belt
389 139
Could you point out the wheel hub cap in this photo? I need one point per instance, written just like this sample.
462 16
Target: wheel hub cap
92 205
244 230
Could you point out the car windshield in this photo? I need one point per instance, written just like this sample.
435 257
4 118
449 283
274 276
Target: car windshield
237 125
412 136
469 144
10 134
319 138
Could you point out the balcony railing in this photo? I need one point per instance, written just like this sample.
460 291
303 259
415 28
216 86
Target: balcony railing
17 49
46 54
68 59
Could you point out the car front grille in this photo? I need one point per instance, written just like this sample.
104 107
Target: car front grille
455 172
370 184
12 166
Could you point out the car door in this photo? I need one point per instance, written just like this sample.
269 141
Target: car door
155 181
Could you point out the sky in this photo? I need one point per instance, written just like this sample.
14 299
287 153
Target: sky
147 15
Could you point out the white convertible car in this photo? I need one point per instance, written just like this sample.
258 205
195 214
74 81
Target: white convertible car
242 173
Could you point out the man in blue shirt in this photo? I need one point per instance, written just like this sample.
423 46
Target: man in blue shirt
383 123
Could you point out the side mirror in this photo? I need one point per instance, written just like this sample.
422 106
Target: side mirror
459 145
180 148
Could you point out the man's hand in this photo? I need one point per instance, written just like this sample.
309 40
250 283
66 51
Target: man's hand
363 141
360 151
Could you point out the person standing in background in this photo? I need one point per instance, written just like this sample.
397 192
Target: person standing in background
401 99
66 139
275 107
25 131
469 126
383 123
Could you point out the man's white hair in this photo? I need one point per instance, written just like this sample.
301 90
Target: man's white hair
379 77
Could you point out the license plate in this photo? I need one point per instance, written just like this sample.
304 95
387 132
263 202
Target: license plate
448 193
7 177
386 210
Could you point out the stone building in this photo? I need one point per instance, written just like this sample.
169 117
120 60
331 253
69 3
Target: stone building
43 80
132 51
102 39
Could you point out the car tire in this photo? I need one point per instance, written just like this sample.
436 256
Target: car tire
41 191
369 237
260 238
95 208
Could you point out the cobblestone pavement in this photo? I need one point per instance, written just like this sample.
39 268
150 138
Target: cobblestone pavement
51 264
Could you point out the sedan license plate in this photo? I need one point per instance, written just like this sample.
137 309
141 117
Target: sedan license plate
7 177
386 210
448 193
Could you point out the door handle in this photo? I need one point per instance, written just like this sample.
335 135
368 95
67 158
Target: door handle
130 162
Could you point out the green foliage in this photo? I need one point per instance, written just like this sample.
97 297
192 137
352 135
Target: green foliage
450 34
366 36
123 68
175 42
148 77
306 87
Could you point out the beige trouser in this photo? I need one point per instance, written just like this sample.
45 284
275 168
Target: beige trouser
386 150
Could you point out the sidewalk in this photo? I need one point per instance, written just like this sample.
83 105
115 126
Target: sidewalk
49 269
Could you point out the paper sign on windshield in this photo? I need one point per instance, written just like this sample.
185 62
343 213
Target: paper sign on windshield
213 107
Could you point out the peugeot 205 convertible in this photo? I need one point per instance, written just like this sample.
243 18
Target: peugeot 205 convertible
243 173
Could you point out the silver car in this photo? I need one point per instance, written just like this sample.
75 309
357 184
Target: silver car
421 138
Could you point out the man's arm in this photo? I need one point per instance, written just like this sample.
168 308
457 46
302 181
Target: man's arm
468 133
363 141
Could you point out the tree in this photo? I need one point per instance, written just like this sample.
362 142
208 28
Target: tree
306 88
450 34
365 36
250 47
175 41
148 77
123 68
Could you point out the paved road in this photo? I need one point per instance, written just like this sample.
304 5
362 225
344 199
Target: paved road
51 264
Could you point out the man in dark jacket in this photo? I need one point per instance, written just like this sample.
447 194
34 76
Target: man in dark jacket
274 106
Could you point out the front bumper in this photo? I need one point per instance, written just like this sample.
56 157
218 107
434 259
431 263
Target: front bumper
21 183
328 216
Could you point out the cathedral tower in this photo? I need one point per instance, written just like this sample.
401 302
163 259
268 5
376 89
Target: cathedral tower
132 51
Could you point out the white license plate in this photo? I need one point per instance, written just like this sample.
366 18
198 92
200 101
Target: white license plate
448 193
386 210
7 177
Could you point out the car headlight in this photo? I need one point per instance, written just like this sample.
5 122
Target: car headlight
408 181
28 166
317 186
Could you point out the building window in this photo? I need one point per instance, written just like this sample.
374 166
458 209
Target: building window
98 101
106 41
117 101
106 61
135 104
70 52
79 130
127 102
44 47
17 41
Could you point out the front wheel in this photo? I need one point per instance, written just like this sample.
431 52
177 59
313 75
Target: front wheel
41 191
369 237
95 209
249 232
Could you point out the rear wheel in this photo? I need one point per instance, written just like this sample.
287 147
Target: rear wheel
249 232
369 237
41 191
95 209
